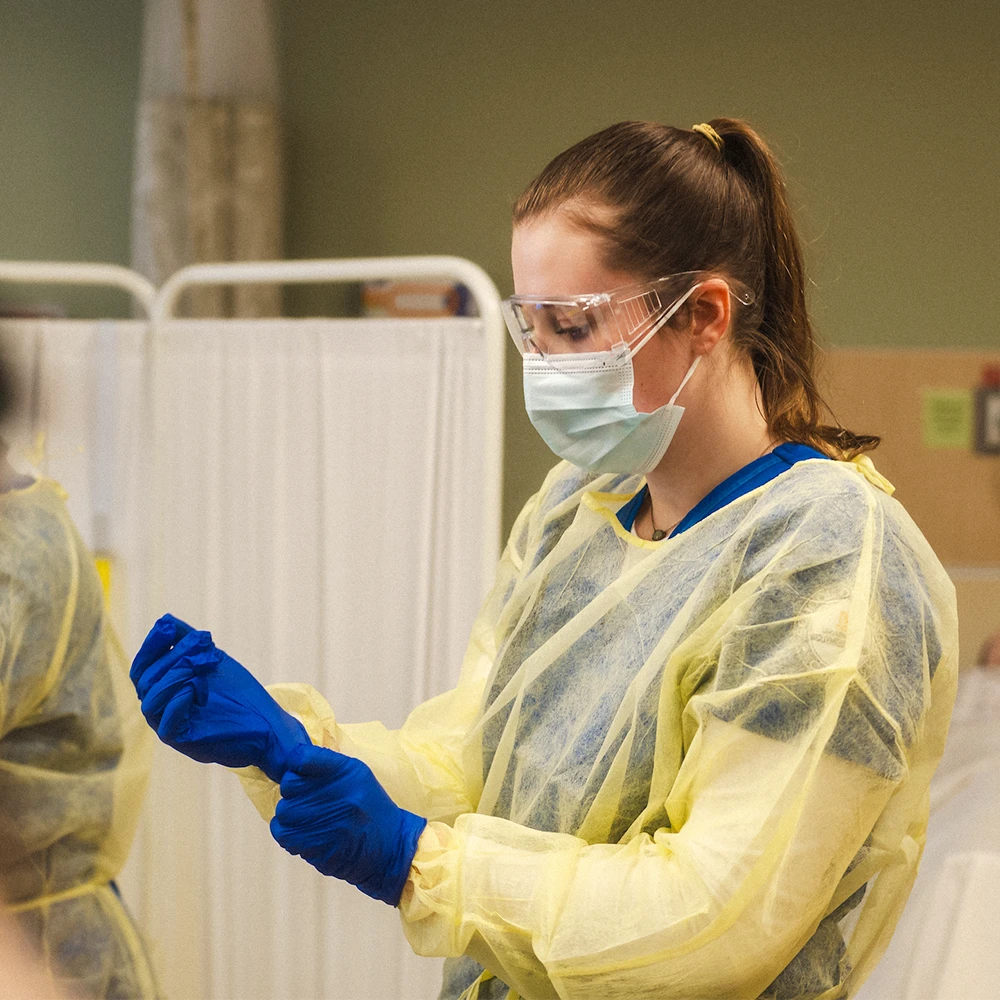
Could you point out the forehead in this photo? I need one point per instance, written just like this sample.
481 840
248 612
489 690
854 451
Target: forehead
553 256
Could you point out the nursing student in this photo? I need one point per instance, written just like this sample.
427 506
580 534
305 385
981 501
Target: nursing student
689 752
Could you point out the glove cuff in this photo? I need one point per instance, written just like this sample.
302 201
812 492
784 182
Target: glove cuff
286 734
389 886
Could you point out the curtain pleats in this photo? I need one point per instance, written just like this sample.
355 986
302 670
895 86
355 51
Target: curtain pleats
311 490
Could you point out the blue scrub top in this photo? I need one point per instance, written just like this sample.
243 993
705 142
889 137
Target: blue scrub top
759 471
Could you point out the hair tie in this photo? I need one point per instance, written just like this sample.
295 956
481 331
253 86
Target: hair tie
709 133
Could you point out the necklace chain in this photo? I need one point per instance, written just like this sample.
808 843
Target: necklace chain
658 533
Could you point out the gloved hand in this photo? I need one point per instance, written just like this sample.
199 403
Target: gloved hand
202 702
335 814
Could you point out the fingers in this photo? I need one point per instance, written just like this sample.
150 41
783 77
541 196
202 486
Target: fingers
281 834
182 628
308 764
201 684
192 647
290 832
164 691
324 810
167 631
177 714
295 785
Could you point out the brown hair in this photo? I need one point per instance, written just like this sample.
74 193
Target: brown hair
681 204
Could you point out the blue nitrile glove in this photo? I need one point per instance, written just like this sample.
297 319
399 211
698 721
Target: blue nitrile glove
202 702
335 814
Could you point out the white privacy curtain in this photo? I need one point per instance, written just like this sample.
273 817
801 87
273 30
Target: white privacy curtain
312 492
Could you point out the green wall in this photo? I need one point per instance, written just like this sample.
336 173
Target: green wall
412 127
69 76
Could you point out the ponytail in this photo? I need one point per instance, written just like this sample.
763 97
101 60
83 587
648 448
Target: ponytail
709 198
782 346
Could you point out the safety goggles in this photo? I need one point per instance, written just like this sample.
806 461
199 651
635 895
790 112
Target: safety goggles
624 318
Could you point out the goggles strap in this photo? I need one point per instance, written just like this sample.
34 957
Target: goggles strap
659 323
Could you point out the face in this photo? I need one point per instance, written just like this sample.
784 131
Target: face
551 257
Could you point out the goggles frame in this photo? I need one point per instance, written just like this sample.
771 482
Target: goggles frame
622 318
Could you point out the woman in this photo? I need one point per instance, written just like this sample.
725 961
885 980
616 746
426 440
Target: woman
689 752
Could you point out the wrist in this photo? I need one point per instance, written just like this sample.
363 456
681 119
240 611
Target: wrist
431 907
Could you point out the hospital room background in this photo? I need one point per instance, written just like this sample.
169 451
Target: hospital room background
385 143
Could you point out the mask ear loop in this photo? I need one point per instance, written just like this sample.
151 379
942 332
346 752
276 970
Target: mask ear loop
684 381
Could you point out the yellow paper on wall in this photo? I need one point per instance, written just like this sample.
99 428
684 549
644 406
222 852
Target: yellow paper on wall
948 418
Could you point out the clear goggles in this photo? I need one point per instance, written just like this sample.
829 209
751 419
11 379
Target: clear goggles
624 318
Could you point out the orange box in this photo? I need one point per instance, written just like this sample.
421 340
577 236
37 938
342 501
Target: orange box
413 299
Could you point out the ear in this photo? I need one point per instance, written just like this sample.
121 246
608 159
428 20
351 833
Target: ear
711 311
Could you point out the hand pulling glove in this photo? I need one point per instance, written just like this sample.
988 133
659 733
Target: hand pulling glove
335 815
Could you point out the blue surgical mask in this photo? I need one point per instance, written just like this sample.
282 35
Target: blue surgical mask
581 404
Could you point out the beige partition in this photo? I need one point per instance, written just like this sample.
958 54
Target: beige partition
952 493
978 609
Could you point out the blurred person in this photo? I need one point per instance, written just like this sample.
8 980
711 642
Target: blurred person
23 976
689 750
74 758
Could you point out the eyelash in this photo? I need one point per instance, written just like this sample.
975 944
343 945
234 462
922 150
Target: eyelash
575 332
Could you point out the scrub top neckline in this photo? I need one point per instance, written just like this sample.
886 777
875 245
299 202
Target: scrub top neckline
758 472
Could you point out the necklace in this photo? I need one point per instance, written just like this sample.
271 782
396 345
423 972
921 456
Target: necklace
658 533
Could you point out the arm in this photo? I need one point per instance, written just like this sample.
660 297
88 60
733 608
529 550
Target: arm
419 765
44 572
20 690
717 907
